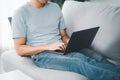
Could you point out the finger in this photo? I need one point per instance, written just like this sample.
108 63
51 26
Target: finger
64 46
59 48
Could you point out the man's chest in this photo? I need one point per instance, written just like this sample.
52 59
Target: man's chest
42 22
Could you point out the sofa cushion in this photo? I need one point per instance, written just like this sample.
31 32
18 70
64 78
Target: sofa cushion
83 15
11 61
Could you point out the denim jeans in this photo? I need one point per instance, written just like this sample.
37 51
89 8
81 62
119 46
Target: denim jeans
86 62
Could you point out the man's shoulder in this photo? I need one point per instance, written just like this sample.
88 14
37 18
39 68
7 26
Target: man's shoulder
22 9
53 4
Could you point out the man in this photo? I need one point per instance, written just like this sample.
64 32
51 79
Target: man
39 30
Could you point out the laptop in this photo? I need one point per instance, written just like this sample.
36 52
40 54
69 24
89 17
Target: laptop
80 40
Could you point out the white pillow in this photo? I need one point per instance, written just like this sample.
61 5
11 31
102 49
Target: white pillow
82 15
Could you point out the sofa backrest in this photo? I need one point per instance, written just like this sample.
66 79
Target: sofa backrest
83 15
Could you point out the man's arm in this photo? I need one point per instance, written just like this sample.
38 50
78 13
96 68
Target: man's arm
64 36
25 50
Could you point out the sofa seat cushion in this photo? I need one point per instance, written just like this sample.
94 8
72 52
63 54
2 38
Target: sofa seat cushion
84 15
11 61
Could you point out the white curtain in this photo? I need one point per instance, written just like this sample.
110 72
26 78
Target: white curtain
7 8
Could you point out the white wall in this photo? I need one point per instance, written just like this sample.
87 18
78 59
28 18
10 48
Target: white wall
7 8
1 24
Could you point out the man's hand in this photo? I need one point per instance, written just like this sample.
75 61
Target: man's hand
56 46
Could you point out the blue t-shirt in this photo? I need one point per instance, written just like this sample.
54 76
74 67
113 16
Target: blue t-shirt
38 25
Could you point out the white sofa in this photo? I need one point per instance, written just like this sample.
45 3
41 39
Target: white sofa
77 16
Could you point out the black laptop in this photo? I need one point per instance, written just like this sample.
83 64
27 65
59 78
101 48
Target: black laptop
80 40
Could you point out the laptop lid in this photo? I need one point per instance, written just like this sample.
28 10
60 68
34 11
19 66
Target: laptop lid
81 39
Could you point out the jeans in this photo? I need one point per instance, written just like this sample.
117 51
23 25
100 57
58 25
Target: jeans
86 62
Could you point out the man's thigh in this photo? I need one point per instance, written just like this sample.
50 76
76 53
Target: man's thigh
53 60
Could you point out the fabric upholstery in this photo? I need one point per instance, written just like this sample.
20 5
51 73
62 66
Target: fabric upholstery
11 61
80 16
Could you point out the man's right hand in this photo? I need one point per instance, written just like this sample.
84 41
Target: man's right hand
56 46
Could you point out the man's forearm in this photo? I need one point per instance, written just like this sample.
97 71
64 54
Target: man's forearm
65 39
64 36
25 50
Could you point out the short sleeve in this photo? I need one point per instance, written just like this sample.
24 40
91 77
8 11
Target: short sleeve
18 25
62 24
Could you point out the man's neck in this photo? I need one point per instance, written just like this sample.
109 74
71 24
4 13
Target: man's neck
36 4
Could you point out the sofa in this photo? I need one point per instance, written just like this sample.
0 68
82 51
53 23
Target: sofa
78 16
